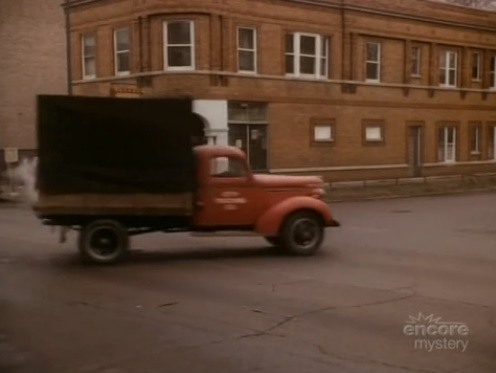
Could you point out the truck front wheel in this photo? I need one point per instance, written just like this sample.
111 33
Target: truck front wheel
103 242
302 233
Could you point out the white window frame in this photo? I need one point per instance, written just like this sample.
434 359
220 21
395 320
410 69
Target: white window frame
492 72
326 126
117 52
254 50
447 68
417 59
191 45
320 40
368 138
446 145
85 57
375 62
478 65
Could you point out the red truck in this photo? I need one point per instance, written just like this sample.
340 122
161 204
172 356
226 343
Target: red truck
111 168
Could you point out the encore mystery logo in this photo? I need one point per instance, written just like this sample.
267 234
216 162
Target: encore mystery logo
432 333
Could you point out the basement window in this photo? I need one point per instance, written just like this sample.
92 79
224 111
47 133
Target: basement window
373 132
322 131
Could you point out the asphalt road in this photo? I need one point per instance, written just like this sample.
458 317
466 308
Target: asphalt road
186 304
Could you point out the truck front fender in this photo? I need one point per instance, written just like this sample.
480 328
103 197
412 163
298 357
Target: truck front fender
270 222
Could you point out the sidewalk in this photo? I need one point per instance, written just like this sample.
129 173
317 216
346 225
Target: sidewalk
401 188
376 189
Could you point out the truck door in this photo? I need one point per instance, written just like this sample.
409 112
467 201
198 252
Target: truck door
229 197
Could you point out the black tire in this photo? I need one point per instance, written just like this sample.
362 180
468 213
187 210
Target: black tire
103 242
302 233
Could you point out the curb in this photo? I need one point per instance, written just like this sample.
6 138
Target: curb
400 196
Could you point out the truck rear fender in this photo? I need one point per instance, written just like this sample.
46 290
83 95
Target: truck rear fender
270 222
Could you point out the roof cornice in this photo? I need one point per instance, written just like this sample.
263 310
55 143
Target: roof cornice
342 4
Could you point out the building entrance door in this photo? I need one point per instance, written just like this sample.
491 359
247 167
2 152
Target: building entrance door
415 150
248 131
252 139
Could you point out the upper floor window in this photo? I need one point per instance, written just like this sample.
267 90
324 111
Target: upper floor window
247 49
448 66
88 43
476 66
122 51
416 59
492 73
373 62
307 55
179 45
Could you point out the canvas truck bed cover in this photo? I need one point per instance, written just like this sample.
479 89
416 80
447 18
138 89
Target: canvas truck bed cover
103 149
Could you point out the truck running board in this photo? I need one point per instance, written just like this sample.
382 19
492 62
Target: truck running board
225 234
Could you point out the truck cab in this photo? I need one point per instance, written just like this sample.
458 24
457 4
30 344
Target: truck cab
230 196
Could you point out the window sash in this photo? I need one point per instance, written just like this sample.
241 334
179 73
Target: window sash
476 66
448 67
88 49
416 59
184 51
122 67
251 65
373 65
475 139
323 132
447 144
295 59
492 72
373 133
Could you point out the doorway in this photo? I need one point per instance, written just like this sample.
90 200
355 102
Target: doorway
415 150
248 131
252 139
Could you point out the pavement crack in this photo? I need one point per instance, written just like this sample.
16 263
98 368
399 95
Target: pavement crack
288 319
360 360
167 304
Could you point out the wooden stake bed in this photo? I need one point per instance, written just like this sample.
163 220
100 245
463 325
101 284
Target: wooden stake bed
180 204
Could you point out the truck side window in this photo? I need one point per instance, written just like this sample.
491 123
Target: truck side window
227 167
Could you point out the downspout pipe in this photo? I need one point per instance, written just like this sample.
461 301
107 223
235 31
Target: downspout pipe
67 12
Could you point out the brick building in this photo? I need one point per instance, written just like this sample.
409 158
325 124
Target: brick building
349 89
32 61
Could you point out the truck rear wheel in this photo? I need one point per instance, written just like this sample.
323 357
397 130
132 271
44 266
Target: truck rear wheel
103 242
302 234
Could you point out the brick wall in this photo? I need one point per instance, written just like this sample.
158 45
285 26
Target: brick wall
397 102
33 61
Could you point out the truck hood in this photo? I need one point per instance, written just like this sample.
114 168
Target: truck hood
281 181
